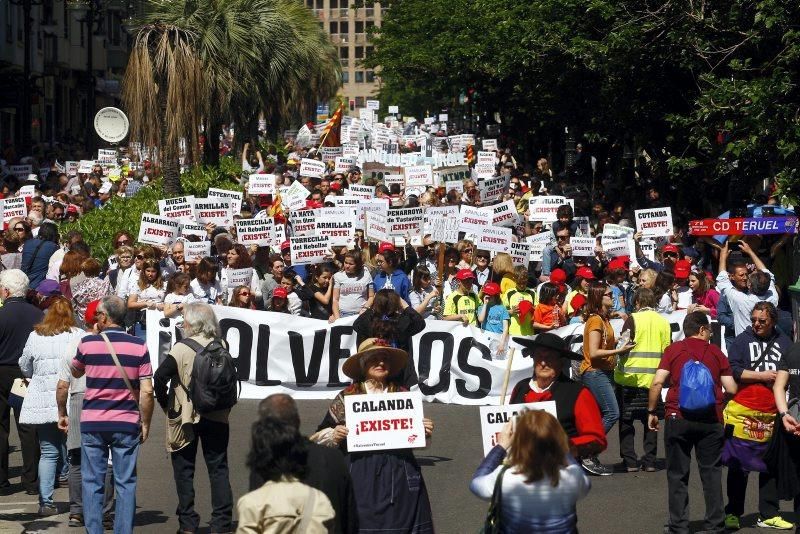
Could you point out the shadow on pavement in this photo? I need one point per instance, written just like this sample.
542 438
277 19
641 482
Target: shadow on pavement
432 460
149 517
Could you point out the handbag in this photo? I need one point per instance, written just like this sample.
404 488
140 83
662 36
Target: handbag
493 524
123 374
17 394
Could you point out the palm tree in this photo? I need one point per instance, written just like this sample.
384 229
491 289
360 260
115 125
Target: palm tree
199 62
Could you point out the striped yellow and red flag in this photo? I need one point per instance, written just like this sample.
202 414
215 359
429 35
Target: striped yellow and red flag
331 135
470 154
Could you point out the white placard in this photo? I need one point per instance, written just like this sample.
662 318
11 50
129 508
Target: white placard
340 230
418 175
239 277
394 110
330 153
27 191
343 201
311 168
489 144
377 227
374 105
22 171
430 120
295 196
456 185
234 196
14 207
504 214
473 219
213 210
494 418
384 421
350 150
442 117
157 230
449 174
520 253
615 230
583 247
389 179
648 247
441 222
85 166
303 222
538 242
493 189
278 234
309 249
261 184
181 208
405 221
494 238
583 225
193 229
196 250
72 168
545 208
373 205
343 164
484 170
654 222
254 232
617 246
364 192
485 156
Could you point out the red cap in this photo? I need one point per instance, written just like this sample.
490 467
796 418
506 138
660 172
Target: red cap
280 292
617 264
72 208
584 272
465 274
558 277
91 309
384 246
336 186
682 269
577 302
286 245
669 247
491 289
311 204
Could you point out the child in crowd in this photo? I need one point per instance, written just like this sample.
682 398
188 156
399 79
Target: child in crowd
548 315
462 303
520 322
280 302
493 316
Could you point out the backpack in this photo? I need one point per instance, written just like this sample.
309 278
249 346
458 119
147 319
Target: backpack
214 377
696 394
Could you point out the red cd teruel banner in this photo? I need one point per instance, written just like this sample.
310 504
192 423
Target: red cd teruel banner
744 226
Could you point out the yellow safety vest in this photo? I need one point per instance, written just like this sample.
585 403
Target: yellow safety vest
652 335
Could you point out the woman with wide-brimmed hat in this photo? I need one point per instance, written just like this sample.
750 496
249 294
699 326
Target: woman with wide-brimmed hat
390 493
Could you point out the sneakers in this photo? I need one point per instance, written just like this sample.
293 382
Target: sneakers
76 520
593 466
732 522
46 511
776 522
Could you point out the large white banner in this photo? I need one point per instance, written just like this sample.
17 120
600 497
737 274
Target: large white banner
303 357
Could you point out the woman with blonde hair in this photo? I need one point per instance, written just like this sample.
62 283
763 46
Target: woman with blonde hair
148 293
541 481
466 250
503 272
50 342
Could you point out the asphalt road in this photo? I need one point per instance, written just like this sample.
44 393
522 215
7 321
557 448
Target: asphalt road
630 503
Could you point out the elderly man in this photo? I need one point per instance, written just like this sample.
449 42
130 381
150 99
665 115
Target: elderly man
576 407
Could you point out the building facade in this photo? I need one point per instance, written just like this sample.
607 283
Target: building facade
349 29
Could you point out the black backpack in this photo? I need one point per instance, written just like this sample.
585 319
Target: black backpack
214 377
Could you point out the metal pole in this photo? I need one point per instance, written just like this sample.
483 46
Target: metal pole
90 96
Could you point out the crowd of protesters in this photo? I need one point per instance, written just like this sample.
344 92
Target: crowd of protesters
72 310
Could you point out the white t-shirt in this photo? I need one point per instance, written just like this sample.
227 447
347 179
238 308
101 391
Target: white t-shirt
149 293
205 293
353 291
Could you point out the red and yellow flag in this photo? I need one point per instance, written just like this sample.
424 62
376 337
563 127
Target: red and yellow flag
331 135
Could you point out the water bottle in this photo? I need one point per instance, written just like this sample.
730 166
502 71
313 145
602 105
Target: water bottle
624 338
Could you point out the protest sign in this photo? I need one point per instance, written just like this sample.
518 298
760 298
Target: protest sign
374 105
309 249
494 418
343 164
22 171
520 253
654 222
493 189
429 120
473 219
583 225
157 230
648 248
394 110
486 157
85 166
442 117
188 229
399 179
330 153
484 170
181 208
494 238
489 144
583 247
538 242
238 277
418 175
344 201
373 205
213 210
196 250
611 230
72 168
441 222
384 421
304 222
377 227
311 168
350 150
261 184
365 192
14 207
744 226
340 230
616 246
295 196
544 208
254 232
405 221
455 185
278 234
27 191
503 214
450 174
234 196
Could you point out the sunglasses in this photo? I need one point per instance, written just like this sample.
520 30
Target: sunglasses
123 242
608 294
467 251
485 258
432 246
139 256
19 228
670 255
244 294
562 237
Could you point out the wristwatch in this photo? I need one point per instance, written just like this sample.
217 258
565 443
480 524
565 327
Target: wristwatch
652 412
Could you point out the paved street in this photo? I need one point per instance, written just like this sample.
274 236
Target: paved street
634 503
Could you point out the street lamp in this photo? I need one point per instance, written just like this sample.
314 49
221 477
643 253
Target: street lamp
25 111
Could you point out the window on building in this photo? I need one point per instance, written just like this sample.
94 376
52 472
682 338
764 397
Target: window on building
360 102
10 24
344 53
370 76
359 76
359 52
359 26
345 77
344 27
334 4
369 51
320 4
334 28
310 4
370 24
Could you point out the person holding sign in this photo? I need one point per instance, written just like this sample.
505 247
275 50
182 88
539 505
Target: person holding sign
576 407
389 489
543 482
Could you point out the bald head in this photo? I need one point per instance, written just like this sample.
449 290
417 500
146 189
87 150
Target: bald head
281 407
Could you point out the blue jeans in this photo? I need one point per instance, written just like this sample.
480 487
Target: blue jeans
124 448
601 384
52 461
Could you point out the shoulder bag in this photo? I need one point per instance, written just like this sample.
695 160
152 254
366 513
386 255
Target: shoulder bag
493 522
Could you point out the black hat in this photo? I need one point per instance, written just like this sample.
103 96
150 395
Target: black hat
547 341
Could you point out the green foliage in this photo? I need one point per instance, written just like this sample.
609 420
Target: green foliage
99 225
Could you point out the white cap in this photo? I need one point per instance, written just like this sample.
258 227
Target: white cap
33 177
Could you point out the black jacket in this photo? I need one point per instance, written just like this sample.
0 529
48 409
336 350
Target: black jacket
17 319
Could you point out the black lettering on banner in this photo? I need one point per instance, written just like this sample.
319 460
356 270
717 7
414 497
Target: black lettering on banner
484 376
245 344
262 357
426 342
302 378
335 353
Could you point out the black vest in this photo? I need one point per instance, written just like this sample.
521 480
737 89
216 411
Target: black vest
564 391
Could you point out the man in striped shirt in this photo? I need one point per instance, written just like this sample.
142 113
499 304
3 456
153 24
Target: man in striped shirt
112 413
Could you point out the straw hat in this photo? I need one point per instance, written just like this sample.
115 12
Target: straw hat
395 358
